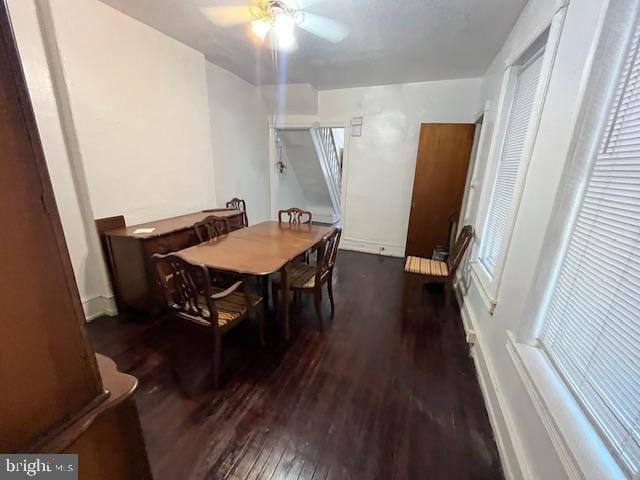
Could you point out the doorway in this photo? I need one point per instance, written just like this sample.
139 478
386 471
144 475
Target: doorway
307 165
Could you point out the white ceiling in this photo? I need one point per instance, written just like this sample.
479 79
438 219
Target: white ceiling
391 41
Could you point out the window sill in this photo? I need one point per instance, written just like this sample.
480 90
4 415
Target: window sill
579 447
483 283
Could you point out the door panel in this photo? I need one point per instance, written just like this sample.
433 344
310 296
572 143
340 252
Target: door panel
444 151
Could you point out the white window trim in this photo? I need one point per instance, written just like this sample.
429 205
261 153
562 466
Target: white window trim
579 445
592 117
471 183
489 284
474 184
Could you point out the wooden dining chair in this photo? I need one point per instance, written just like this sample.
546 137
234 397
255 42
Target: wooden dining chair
441 252
294 216
305 278
442 272
190 295
239 204
211 227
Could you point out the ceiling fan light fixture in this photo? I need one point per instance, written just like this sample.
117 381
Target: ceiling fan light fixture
284 25
286 41
261 28
276 22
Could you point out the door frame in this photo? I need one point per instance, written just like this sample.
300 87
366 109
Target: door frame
306 122
472 185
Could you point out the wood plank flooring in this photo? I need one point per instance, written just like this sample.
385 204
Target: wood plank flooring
387 392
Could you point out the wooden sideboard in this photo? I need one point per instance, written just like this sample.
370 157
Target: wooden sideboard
129 255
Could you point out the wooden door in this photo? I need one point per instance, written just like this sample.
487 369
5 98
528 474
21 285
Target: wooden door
48 372
444 151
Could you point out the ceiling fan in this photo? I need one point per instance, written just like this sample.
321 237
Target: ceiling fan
275 21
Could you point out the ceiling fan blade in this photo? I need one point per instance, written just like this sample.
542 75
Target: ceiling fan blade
324 27
230 16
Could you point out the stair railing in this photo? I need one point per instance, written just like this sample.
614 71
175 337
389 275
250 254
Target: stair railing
332 156
330 162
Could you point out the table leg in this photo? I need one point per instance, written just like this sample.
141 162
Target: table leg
264 283
284 285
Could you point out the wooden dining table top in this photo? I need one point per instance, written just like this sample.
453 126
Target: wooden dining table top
260 249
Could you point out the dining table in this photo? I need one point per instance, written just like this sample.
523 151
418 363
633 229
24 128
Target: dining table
259 250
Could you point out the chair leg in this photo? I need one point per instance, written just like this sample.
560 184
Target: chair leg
317 296
330 289
217 356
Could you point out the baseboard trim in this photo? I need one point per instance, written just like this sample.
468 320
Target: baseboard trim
512 456
98 306
460 292
367 246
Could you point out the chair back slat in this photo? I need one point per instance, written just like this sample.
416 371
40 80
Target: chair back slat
459 249
239 204
327 252
453 226
186 287
211 227
295 216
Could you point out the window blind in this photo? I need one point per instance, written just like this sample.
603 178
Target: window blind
502 196
591 328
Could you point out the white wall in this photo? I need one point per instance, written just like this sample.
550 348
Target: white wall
63 161
525 445
239 137
140 109
123 112
381 163
290 99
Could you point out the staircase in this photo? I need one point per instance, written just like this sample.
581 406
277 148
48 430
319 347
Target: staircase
313 177
330 162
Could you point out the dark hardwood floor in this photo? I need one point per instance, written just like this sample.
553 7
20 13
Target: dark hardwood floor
387 392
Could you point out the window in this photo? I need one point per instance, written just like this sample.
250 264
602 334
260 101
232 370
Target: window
591 329
509 165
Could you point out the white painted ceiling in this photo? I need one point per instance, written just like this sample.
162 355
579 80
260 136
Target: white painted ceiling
390 41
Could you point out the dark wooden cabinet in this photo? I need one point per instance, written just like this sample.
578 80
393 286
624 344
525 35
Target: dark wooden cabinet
41 316
129 255
56 396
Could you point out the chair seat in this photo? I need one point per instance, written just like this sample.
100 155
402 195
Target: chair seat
301 276
230 309
426 266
